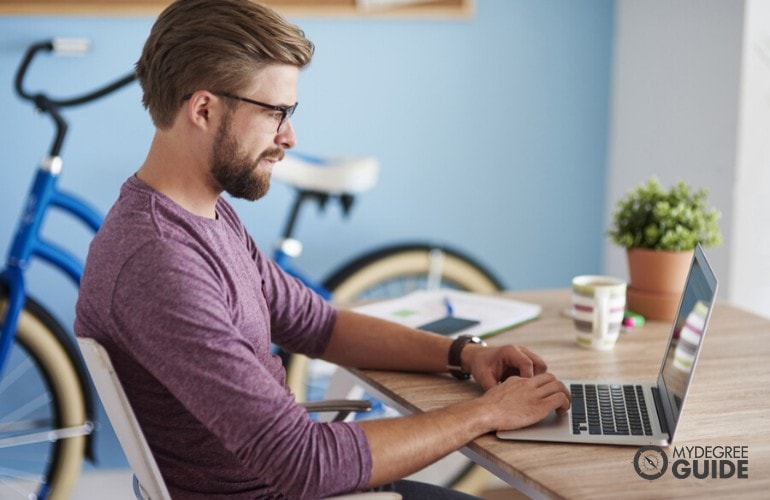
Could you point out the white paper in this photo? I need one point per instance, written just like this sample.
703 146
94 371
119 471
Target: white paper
495 313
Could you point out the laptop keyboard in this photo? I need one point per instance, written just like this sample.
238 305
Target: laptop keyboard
609 409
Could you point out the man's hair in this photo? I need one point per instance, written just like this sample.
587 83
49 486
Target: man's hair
216 45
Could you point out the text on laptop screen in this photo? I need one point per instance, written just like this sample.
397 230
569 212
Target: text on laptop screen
688 330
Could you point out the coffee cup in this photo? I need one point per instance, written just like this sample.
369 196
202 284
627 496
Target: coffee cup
598 304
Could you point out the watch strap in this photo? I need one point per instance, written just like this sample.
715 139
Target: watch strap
454 364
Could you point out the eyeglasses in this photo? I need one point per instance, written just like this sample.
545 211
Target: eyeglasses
286 112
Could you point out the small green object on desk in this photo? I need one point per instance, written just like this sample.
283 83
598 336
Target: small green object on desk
632 320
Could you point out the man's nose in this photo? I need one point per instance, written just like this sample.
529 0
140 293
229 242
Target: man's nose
286 138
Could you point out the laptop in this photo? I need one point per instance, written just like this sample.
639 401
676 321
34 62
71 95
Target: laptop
633 412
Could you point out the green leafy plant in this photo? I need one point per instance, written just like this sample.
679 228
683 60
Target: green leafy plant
674 220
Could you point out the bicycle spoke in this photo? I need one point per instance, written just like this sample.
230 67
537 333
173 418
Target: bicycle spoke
14 375
24 425
401 286
25 428
43 415
41 401
435 269
18 486
48 436
9 472
23 456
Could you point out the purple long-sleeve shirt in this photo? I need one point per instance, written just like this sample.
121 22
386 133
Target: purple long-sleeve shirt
187 308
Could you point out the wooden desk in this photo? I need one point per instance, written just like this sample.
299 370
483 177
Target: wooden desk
728 405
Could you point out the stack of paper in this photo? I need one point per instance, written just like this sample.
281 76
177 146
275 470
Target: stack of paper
455 312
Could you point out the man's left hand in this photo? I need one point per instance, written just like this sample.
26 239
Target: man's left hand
491 365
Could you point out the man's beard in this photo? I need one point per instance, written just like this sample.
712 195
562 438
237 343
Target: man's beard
235 172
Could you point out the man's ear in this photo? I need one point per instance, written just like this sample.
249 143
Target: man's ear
200 108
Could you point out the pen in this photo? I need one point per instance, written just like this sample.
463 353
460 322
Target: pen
448 305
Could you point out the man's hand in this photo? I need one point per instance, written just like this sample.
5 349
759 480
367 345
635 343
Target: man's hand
400 446
518 402
518 393
492 365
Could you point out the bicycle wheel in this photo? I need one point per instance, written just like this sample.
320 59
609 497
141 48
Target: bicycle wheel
43 423
397 270
391 272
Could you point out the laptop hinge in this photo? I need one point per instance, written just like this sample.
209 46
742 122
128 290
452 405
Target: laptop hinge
659 409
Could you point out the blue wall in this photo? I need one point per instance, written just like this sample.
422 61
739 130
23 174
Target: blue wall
491 132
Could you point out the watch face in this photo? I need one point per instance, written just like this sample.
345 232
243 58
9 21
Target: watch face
650 462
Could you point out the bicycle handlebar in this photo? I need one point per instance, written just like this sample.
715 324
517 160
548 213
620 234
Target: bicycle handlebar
51 106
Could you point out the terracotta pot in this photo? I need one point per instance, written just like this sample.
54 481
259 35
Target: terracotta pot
656 281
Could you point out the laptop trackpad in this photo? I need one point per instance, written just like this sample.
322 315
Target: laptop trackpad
551 422
549 428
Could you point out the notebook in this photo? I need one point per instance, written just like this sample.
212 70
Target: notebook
454 312
638 412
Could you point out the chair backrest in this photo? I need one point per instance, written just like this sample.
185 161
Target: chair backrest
123 420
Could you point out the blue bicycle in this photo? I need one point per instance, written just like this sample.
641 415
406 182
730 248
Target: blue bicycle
46 408
46 405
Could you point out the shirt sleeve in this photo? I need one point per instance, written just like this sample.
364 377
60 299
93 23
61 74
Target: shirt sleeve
302 320
172 310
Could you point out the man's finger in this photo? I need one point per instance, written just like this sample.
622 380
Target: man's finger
538 363
522 361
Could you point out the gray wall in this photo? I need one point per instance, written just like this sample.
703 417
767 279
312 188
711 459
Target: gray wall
675 106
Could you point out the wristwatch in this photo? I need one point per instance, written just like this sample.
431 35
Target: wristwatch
454 365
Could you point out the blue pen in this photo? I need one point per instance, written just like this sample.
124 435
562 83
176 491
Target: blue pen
448 305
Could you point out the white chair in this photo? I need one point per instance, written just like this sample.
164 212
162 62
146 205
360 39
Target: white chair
123 420
148 483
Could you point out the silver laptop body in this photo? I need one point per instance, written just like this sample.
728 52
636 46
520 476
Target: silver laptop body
662 401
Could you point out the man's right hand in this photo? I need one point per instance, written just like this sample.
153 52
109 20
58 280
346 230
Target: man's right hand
404 445
518 402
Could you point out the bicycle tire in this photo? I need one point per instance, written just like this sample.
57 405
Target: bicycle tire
396 270
363 278
41 368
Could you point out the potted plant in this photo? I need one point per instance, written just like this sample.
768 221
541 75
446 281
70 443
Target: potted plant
660 230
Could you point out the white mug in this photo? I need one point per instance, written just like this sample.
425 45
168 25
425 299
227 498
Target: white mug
598 304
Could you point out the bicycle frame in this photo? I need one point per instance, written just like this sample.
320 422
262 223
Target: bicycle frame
28 243
289 248
44 195
283 259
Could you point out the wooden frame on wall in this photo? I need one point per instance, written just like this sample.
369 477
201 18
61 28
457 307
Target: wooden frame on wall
431 9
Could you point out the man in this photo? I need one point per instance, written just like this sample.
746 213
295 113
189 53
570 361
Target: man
187 305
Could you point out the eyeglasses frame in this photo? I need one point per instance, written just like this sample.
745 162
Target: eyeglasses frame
286 111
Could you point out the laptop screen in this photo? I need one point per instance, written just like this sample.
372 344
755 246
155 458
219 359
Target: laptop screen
687 336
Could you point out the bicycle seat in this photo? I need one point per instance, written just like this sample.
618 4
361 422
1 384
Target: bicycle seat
342 175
